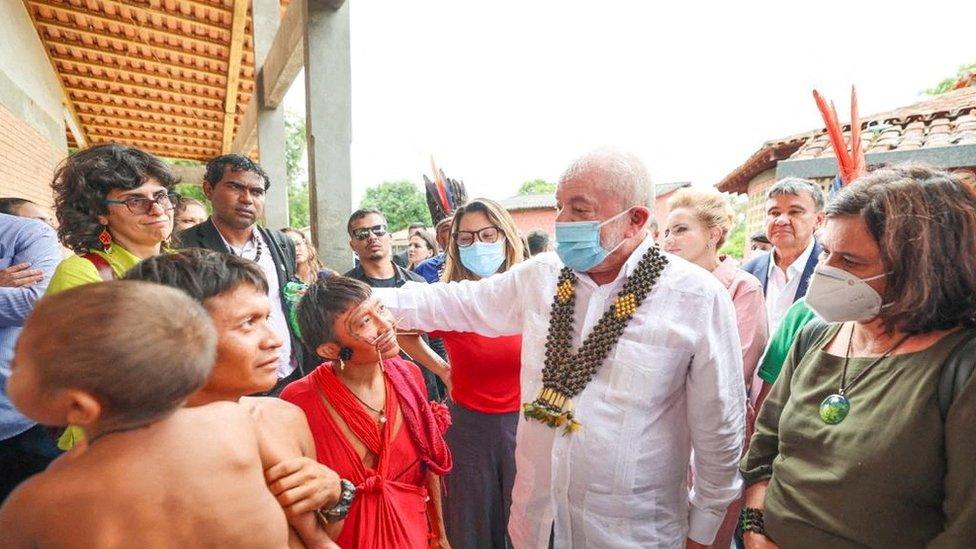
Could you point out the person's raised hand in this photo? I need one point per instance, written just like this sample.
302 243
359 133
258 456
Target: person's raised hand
301 484
20 275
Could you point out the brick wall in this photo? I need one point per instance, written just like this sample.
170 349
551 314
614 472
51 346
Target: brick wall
541 218
27 160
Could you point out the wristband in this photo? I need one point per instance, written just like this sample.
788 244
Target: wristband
751 520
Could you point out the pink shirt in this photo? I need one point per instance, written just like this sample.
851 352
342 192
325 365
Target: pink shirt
750 313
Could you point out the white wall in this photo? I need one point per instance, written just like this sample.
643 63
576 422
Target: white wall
29 87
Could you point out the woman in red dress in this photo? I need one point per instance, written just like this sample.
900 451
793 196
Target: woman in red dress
370 419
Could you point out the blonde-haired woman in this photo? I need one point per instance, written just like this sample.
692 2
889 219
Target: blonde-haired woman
308 267
699 220
483 380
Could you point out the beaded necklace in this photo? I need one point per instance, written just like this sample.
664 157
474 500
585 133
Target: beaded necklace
566 373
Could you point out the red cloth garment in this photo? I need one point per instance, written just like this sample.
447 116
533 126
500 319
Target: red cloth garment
390 509
484 371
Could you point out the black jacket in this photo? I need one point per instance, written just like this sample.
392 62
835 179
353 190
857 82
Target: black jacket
282 251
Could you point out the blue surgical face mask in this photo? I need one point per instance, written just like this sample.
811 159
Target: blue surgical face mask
578 243
483 258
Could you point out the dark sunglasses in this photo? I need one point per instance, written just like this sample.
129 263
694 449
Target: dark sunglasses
139 205
362 233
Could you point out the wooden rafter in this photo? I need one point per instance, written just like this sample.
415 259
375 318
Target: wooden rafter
234 70
129 59
130 73
86 107
170 76
79 14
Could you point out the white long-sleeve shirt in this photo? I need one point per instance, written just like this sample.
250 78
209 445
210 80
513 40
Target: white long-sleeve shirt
673 382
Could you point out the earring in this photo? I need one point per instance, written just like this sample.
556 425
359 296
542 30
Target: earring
345 353
342 364
105 238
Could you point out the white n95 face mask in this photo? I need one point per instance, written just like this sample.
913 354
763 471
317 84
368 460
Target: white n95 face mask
838 296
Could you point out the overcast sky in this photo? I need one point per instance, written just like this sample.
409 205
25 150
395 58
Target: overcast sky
502 92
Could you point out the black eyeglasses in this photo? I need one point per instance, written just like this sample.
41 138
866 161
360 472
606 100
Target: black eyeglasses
488 235
140 205
362 233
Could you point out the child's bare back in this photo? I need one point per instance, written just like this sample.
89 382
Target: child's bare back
193 479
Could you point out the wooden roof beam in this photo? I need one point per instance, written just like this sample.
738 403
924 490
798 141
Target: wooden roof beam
95 109
111 99
128 58
91 119
176 97
234 70
139 30
148 10
214 91
286 57
171 53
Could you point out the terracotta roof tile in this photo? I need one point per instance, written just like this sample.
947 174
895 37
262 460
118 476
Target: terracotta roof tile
944 120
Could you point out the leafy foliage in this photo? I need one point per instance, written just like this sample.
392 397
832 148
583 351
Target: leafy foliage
735 242
946 84
401 202
537 186
295 143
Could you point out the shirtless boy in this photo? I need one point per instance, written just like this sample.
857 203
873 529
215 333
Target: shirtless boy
119 359
234 293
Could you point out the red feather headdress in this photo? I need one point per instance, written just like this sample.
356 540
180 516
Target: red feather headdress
850 162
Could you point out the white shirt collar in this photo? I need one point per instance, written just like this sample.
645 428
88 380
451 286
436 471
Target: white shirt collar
798 264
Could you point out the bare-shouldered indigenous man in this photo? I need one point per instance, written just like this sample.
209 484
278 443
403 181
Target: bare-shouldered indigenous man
233 290
119 359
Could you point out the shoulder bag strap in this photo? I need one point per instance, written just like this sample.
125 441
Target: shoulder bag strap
101 265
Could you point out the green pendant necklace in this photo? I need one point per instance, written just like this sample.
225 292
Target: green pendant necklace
835 408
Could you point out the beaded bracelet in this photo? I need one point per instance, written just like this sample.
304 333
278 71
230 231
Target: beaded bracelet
751 520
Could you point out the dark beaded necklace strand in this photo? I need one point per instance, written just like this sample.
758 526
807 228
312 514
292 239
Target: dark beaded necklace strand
566 373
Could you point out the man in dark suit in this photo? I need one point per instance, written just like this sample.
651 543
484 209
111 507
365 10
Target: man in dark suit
236 188
794 211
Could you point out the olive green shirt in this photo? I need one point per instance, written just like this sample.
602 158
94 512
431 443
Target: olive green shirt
77 270
893 474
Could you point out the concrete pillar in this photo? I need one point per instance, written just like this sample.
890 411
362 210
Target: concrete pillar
328 111
271 122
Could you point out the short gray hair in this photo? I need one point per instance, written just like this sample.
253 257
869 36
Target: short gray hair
623 174
795 186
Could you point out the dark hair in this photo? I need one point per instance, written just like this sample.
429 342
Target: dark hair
9 204
141 356
217 168
84 179
924 221
202 274
759 237
323 303
538 241
361 213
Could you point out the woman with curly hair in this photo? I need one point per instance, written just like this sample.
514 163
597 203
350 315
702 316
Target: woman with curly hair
115 208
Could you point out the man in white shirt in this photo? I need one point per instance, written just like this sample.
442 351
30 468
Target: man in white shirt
794 211
671 382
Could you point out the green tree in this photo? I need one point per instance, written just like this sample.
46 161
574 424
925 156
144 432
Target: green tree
537 186
295 143
946 83
735 242
401 202
190 190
